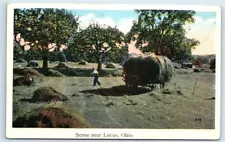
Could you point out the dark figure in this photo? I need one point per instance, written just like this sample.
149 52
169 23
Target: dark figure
96 76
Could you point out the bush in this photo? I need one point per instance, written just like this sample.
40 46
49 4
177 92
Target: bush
197 70
62 57
212 64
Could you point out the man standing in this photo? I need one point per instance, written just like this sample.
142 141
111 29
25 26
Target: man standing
96 76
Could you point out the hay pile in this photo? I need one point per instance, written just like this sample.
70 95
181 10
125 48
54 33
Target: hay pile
27 80
82 62
26 76
150 69
61 65
20 61
32 64
47 94
110 65
51 117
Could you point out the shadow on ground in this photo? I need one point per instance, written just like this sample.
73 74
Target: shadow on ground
118 91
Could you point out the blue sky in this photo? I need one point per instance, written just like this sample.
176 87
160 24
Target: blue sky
203 29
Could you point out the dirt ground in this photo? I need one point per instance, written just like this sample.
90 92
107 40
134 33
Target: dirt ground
110 106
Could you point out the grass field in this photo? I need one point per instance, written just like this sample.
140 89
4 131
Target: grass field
112 105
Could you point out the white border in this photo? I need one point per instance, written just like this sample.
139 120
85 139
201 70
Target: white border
209 134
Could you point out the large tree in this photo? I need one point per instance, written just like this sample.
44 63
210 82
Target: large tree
100 42
42 27
163 30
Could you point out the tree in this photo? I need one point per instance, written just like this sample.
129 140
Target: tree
98 41
163 30
42 27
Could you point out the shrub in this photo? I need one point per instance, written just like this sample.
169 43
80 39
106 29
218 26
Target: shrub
212 64
197 70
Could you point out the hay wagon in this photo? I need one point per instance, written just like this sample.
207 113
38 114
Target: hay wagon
147 71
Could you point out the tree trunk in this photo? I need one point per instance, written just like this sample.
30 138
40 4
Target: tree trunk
99 68
45 60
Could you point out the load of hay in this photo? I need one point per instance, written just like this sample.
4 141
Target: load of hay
150 69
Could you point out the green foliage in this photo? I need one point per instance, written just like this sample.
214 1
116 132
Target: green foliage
98 43
164 32
43 26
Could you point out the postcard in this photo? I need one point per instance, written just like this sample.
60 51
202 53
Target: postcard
113 71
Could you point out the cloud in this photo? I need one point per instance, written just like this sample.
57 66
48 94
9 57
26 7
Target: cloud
198 19
86 20
124 24
210 21
105 21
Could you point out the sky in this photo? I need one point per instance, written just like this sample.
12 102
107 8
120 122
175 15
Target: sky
203 29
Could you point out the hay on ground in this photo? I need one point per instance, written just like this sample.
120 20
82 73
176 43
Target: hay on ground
82 62
32 64
27 80
51 117
27 73
61 65
110 65
20 61
47 94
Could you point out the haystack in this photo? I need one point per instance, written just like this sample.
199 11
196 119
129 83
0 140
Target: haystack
26 76
82 62
27 80
110 65
47 94
61 65
51 117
